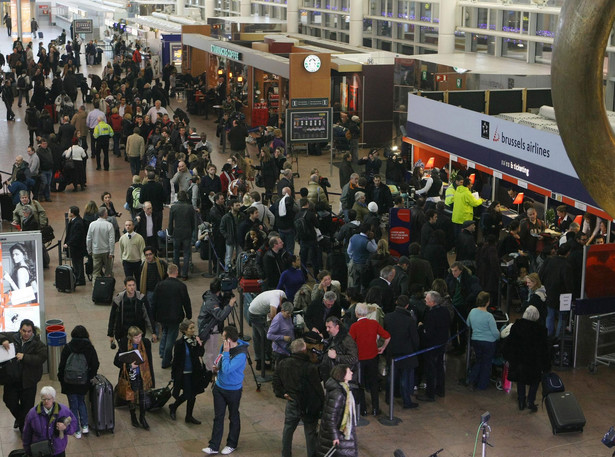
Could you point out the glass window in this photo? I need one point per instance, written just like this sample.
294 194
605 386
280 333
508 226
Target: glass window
515 49
429 35
544 52
384 28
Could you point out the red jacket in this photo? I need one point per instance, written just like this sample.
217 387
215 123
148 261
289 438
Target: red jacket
364 332
116 122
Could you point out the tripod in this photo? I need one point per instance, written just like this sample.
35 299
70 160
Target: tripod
233 320
486 431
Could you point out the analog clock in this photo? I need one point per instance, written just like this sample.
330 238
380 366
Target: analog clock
312 63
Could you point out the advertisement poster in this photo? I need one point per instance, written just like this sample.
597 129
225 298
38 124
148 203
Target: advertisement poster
399 232
21 285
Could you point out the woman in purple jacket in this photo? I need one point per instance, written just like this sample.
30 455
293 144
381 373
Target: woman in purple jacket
49 421
282 331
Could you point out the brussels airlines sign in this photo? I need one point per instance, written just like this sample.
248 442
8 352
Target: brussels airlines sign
523 152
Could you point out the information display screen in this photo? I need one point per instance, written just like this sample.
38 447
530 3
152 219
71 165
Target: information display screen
310 125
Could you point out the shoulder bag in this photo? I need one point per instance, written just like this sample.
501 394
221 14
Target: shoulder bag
69 164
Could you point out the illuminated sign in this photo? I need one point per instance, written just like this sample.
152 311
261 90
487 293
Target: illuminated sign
225 52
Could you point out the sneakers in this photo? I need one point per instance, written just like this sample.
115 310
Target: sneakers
208 450
85 430
227 450
78 434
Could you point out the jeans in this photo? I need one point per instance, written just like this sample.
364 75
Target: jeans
116 146
167 340
405 378
259 333
179 244
551 313
288 237
23 93
135 164
222 399
228 256
46 184
292 416
481 371
76 404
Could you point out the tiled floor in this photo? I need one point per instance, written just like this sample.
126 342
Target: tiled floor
450 423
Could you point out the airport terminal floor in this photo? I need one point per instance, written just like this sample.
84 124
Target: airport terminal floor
450 423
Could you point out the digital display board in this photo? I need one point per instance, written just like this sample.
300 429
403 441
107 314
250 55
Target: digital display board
309 125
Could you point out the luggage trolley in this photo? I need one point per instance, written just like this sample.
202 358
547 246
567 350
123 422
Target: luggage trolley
603 325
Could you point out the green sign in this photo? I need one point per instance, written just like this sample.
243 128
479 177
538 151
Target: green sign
459 83
225 52
424 76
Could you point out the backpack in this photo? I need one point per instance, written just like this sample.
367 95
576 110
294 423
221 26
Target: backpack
21 82
76 370
136 194
301 227
250 268
551 383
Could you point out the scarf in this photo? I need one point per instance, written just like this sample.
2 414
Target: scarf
189 341
350 413
282 206
144 370
144 274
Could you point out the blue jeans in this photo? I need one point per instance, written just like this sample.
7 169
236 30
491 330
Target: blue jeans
551 313
222 399
288 237
167 340
186 245
45 184
406 384
76 403
481 371
228 256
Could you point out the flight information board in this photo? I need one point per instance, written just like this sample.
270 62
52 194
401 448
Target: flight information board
309 125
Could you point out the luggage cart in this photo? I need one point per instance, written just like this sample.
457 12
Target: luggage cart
603 325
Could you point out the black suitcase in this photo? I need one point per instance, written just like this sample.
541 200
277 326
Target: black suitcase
104 288
102 417
65 278
565 413
40 35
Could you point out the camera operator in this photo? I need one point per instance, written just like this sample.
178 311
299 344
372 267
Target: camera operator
339 348
214 311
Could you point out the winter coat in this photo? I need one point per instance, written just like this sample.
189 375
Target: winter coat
78 346
40 427
538 298
122 317
347 353
556 275
35 355
527 352
124 346
332 415
179 361
211 310
171 302
404 337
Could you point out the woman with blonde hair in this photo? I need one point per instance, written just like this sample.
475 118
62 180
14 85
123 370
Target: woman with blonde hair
537 296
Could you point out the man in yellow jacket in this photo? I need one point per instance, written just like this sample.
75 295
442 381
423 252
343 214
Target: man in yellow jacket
463 205
102 133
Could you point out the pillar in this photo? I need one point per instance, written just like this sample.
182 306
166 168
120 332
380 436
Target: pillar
292 16
210 9
356 24
179 8
446 33
245 8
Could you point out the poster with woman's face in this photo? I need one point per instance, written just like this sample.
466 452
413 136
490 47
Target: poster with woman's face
19 286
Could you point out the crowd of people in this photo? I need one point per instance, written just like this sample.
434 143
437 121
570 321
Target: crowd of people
361 306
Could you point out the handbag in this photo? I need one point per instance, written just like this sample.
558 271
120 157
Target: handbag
123 389
157 398
10 371
259 180
69 164
47 233
206 377
41 449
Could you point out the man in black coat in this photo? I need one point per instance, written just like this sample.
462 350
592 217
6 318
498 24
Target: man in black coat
346 168
297 381
275 261
466 244
401 324
153 192
419 270
148 223
556 275
66 131
8 98
387 274
380 193
434 332
75 243
170 305
319 311
286 181
308 246
182 221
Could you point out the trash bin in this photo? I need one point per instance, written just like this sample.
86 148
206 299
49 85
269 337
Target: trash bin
55 328
55 344
53 322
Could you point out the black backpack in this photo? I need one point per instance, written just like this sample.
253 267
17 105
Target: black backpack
250 268
302 231
76 370
21 82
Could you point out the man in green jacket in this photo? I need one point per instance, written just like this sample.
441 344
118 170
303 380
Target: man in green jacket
463 205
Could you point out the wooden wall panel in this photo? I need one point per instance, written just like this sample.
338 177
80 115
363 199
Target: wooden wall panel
303 84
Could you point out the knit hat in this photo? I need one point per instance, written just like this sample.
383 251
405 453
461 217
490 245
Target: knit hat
372 207
466 224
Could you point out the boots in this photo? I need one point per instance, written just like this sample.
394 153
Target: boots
142 420
133 418
189 409
172 411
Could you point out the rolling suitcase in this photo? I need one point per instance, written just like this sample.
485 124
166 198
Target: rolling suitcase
102 417
40 35
104 288
65 278
564 412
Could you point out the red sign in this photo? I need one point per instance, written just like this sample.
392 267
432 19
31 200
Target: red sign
441 78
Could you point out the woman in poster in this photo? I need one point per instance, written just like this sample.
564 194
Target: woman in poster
24 270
